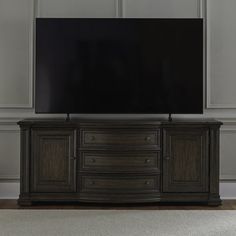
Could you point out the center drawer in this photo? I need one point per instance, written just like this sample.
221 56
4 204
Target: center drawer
119 184
101 161
146 139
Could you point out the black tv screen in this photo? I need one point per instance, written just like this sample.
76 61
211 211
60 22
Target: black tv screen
119 66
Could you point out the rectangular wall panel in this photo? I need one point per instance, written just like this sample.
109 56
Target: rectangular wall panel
228 154
9 154
221 35
77 8
162 8
16 31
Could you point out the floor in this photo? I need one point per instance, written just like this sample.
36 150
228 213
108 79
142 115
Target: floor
12 204
117 222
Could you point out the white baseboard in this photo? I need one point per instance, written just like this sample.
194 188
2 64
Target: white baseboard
228 190
10 190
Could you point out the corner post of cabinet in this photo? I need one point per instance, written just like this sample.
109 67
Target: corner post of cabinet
214 173
24 166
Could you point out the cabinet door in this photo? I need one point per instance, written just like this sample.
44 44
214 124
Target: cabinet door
185 160
53 160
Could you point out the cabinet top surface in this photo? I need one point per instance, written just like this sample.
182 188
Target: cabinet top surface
76 121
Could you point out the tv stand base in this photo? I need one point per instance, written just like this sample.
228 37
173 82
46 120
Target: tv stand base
120 161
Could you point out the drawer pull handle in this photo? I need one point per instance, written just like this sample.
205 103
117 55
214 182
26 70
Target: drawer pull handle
148 139
93 160
92 183
147 161
92 138
73 158
147 182
167 158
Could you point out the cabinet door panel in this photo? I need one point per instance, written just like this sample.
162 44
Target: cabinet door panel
53 165
185 160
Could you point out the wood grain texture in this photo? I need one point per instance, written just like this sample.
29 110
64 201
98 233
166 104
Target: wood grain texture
120 161
120 137
214 169
185 160
120 184
52 160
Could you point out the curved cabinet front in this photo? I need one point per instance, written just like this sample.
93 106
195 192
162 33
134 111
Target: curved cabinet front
119 161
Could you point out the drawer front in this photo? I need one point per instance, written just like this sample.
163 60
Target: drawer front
120 184
113 137
119 161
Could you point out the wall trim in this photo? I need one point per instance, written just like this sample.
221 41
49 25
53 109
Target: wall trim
119 10
228 190
9 178
200 8
229 127
200 4
123 8
9 125
9 190
228 178
209 104
29 105
37 8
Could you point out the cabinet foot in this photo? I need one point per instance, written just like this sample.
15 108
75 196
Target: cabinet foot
24 202
214 202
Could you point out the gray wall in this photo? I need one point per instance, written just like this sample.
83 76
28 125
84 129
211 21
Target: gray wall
16 62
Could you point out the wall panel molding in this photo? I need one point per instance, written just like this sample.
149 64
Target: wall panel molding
229 127
201 8
209 103
198 14
78 8
228 178
9 178
30 72
119 8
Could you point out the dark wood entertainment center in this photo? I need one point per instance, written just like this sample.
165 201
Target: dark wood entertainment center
119 161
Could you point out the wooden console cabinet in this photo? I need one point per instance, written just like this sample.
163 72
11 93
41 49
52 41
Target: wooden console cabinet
119 161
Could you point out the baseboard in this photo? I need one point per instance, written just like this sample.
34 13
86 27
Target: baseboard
10 190
228 190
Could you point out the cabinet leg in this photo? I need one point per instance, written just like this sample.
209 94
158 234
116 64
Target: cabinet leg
214 202
24 202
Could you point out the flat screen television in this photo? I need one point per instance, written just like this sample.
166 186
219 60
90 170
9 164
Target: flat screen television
109 66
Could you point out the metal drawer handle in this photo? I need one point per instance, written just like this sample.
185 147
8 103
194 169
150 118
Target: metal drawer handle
73 158
147 182
167 158
92 138
92 182
148 139
147 160
93 160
